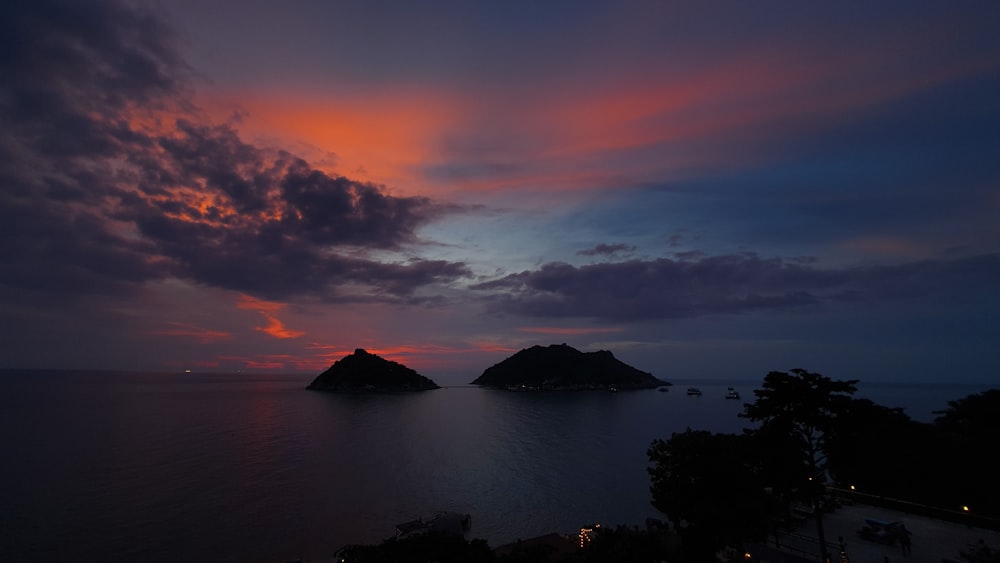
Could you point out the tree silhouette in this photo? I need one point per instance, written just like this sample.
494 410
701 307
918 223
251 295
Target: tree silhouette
711 488
797 413
970 427
879 450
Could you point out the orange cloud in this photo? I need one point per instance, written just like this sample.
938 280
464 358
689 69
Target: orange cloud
642 126
254 304
277 329
269 310
376 137
202 335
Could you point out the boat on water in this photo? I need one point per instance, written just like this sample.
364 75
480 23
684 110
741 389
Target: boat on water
694 391
732 393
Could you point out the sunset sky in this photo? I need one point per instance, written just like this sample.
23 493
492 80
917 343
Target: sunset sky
707 189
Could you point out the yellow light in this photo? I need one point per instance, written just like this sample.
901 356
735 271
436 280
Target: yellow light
746 556
852 487
965 508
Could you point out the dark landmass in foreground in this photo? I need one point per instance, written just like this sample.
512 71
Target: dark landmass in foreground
776 493
560 366
362 372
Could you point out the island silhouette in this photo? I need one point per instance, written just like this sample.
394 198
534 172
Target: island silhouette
562 367
363 372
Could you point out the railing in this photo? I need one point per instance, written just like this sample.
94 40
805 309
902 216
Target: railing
961 517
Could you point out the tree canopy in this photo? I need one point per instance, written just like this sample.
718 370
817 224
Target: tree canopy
798 412
710 487
801 408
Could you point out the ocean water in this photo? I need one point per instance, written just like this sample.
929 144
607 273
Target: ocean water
156 467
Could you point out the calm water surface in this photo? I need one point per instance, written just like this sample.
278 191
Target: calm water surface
154 467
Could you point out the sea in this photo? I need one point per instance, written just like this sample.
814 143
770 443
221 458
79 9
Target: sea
119 466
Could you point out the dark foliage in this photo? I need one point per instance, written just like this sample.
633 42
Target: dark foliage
712 488
947 464
623 543
538 553
421 549
969 428
877 448
618 544
798 412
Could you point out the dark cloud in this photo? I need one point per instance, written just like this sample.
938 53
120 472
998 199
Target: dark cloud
397 281
110 177
606 250
665 288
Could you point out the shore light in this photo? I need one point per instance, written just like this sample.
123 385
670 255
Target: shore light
852 488
965 508
586 535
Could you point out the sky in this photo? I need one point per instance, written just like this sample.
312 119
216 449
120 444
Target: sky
707 189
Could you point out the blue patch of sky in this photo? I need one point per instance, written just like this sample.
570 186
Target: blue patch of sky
928 160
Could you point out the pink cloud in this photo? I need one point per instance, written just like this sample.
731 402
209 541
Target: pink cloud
649 122
269 310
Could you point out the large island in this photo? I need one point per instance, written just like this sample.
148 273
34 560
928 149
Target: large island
362 372
562 367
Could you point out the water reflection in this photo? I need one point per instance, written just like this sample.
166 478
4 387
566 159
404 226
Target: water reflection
255 468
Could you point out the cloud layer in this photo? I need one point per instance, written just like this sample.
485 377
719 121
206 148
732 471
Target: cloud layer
112 178
231 184
717 285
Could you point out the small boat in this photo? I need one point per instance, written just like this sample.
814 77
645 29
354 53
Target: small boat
732 393
694 391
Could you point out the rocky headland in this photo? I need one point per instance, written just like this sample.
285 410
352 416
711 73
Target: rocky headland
562 367
362 372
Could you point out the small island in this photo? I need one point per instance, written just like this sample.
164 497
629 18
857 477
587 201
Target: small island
562 367
362 372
